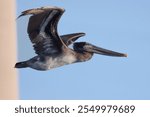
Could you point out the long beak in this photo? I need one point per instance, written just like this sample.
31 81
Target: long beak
98 50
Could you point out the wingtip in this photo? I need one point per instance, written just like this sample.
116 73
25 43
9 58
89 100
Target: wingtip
83 34
80 34
19 16
23 13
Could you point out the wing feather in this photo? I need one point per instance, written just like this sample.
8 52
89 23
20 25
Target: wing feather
70 38
42 29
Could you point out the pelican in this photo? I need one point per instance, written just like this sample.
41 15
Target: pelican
52 49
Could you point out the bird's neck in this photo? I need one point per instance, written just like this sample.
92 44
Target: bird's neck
85 56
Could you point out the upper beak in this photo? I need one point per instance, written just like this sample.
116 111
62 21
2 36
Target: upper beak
98 50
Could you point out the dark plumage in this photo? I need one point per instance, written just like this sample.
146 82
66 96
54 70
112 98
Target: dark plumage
52 50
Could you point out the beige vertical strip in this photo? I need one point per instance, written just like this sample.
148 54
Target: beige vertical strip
8 76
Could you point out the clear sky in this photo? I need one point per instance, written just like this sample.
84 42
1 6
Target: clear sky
119 25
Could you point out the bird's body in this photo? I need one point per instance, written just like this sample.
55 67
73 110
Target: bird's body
49 62
52 50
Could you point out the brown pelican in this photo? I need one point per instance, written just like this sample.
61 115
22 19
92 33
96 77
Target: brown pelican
52 50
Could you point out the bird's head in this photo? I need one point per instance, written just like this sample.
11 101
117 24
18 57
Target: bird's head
87 47
79 46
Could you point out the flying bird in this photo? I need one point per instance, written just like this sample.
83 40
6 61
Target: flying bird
52 49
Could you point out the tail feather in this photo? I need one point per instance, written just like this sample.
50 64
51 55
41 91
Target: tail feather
21 65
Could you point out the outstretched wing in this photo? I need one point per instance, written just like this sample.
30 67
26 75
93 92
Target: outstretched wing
42 29
70 38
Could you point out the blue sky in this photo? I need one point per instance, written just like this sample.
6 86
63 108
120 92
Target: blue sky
120 25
